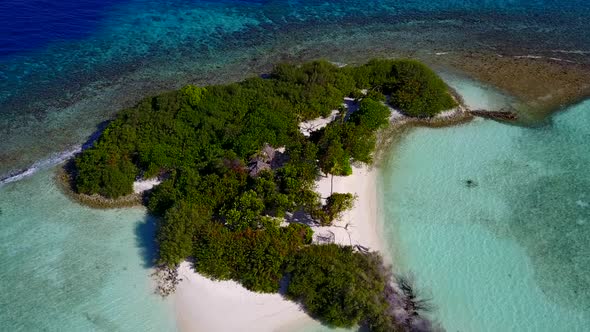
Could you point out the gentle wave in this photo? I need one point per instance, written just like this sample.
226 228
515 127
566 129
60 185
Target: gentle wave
543 57
581 52
528 56
55 159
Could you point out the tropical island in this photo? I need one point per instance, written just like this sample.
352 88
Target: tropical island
234 167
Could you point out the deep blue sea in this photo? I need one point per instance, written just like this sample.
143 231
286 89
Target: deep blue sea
68 66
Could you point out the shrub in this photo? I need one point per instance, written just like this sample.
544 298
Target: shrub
340 287
255 257
375 94
417 91
336 204
106 173
193 94
175 233
245 212
372 114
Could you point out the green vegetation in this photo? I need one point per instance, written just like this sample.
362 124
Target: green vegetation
335 205
254 257
418 91
413 88
341 287
340 141
227 187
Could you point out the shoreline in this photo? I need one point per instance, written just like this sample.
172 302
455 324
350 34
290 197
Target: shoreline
63 178
544 85
360 225
536 52
202 304
541 102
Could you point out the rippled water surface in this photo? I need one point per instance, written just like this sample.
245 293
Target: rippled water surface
66 66
511 247
65 267
509 250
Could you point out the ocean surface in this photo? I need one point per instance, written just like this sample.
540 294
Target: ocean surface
65 267
513 246
66 66
510 252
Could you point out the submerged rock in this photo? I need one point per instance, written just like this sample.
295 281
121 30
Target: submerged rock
470 183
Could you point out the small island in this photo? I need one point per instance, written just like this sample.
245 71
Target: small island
234 165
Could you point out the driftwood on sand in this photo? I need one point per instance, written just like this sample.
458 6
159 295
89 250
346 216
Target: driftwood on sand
166 280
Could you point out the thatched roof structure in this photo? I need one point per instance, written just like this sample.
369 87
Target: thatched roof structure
266 159
256 166
268 153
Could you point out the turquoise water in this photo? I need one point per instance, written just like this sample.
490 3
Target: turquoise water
512 252
66 68
65 267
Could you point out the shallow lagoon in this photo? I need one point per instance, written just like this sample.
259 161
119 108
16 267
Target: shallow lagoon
65 267
510 251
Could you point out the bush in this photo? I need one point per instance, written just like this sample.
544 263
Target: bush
112 176
213 209
193 94
245 212
176 231
336 204
340 141
417 90
372 115
356 94
340 287
375 94
255 257
414 88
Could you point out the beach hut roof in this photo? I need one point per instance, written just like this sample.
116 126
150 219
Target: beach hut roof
257 166
268 152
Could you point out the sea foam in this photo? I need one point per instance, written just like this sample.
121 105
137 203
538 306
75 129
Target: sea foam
53 160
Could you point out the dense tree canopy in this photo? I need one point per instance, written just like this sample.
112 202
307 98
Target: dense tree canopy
222 199
417 90
254 257
342 287
413 87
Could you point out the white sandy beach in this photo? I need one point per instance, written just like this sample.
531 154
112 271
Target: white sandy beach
206 305
307 127
202 304
360 225
140 186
